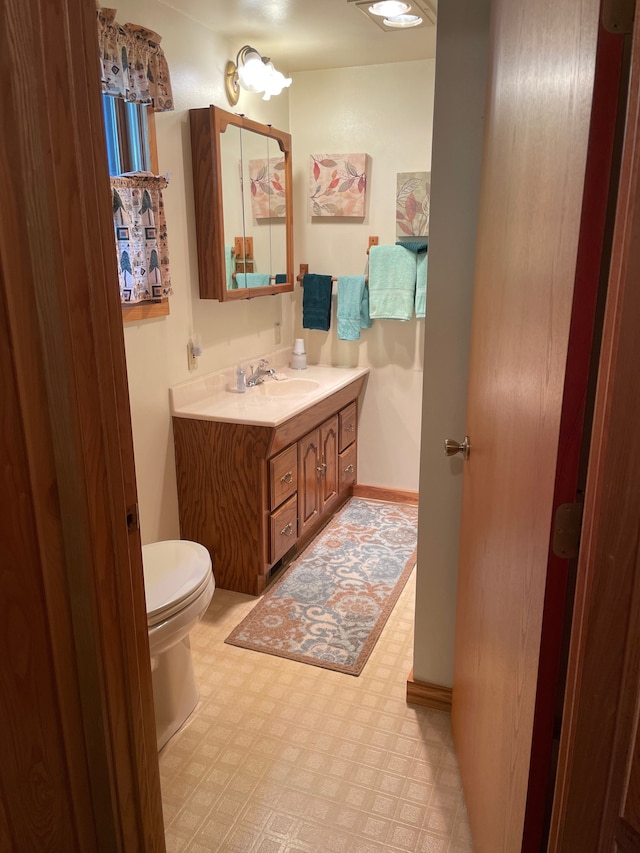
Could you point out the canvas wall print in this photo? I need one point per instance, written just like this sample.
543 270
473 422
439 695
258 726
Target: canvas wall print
267 188
412 204
338 184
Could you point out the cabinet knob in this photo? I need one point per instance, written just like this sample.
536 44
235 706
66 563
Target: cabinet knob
349 428
287 530
348 469
287 478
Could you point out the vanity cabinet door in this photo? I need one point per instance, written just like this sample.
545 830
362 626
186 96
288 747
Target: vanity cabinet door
328 463
308 476
318 473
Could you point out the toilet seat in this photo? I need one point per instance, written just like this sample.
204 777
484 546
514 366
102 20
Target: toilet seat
176 572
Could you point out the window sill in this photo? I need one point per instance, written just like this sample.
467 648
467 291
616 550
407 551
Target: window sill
145 310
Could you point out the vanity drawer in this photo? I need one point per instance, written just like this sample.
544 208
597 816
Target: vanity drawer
283 476
347 426
347 467
284 529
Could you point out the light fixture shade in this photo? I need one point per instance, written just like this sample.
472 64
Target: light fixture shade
389 8
252 72
274 83
255 73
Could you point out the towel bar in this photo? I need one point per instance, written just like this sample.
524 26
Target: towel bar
304 268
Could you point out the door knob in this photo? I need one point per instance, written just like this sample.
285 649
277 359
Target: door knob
452 447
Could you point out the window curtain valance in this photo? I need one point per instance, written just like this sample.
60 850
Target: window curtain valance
141 237
133 65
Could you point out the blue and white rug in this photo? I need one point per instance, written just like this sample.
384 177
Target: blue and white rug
331 604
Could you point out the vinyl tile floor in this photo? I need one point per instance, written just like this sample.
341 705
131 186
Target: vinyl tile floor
282 756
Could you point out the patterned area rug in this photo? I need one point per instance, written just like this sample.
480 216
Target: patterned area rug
331 604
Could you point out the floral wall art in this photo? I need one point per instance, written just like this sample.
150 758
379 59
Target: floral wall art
412 204
337 184
267 188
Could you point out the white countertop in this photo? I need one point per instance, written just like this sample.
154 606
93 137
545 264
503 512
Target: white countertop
207 398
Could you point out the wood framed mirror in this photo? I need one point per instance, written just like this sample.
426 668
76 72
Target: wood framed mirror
243 190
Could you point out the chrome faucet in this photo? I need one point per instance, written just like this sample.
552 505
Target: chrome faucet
258 376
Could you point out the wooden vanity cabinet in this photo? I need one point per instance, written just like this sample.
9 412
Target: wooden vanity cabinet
249 493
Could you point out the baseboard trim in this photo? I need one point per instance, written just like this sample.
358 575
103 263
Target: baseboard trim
428 695
379 493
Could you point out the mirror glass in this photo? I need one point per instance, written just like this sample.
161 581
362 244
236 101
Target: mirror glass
243 206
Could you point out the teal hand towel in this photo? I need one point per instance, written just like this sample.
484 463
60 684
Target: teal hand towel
252 279
316 302
353 313
230 267
417 246
392 282
281 278
421 285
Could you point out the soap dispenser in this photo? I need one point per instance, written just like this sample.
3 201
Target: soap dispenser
241 380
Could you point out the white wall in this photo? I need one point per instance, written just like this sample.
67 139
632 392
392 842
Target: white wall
386 112
156 349
461 64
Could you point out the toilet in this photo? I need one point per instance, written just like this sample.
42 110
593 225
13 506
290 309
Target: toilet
179 584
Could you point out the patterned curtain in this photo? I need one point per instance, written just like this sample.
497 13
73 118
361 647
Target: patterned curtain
132 62
141 237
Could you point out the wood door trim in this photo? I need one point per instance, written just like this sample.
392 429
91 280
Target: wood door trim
594 746
64 317
627 838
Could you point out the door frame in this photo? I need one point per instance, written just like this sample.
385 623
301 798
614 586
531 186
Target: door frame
603 682
65 322
65 355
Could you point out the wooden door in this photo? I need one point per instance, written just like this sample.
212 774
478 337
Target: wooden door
540 96
328 482
308 495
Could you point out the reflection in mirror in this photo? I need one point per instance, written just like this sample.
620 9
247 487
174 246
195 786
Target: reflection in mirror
232 208
263 181
243 193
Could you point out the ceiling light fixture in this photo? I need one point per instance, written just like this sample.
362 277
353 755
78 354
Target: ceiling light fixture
255 73
389 8
403 21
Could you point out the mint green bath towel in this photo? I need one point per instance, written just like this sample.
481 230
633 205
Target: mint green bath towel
230 267
353 307
421 285
392 282
253 279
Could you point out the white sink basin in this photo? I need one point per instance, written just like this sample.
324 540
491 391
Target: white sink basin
288 387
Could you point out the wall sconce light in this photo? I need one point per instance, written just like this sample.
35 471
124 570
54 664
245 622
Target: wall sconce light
253 72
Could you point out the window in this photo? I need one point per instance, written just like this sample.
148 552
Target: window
131 147
127 130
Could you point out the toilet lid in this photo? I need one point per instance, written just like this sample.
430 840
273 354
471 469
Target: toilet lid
175 573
